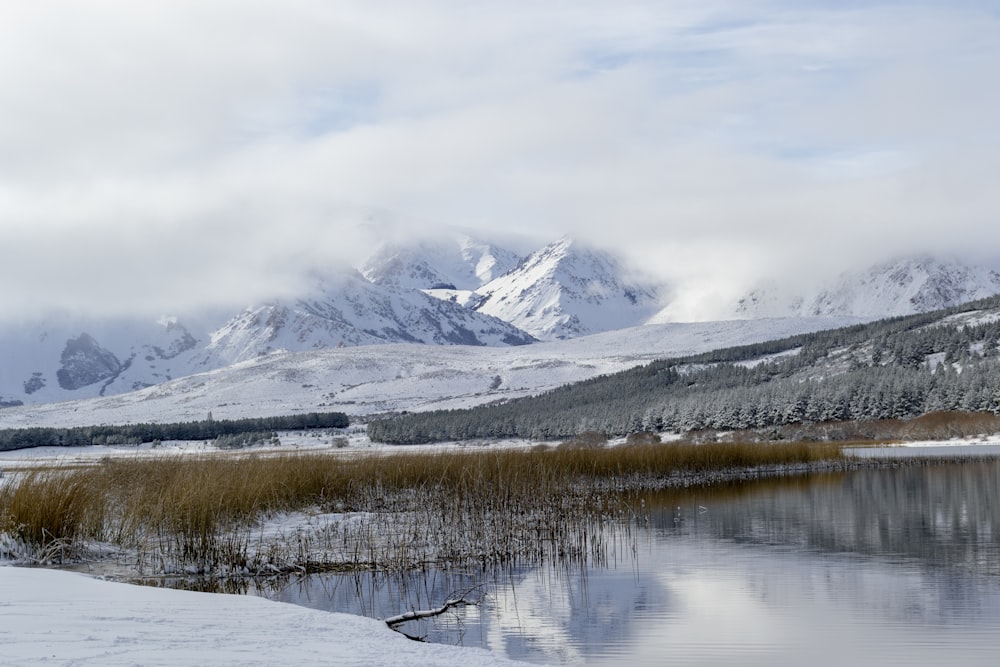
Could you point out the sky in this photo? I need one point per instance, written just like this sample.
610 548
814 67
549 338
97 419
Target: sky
168 154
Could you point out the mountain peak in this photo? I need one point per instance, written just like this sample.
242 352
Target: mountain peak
567 289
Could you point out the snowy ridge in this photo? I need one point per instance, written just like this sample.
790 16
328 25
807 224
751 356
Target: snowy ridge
347 310
381 378
566 290
901 287
461 263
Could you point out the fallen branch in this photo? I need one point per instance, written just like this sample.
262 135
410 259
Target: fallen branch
462 601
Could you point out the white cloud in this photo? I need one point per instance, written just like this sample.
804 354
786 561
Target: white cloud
185 144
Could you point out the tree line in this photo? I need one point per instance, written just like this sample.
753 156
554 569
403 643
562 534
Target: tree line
206 429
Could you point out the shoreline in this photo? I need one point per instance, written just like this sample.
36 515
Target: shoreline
104 623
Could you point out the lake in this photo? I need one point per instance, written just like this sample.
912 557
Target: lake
874 567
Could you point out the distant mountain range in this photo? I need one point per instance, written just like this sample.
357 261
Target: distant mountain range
445 290
68 358
900 287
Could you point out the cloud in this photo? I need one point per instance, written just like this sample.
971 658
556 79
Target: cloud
158 155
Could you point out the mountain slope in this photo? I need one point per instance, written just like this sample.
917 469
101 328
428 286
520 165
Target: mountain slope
566 290
895 368
900 287
395 377
347 310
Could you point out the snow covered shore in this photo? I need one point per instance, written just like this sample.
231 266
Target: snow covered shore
49 617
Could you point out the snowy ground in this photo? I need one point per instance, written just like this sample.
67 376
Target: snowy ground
358 443
49 617
291 442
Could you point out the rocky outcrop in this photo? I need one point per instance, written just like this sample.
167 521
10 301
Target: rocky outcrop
84 362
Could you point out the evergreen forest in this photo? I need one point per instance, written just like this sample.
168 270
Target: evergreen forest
206 429
895 368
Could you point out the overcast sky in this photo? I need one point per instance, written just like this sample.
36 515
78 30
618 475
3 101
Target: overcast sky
160 153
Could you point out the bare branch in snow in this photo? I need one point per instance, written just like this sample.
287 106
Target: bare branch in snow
461 600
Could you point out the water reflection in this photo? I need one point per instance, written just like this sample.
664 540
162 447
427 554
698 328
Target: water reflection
933 515
876 567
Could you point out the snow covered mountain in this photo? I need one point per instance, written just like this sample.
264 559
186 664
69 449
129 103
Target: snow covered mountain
347 310
456 263
566 290
484 295
68 358
900 287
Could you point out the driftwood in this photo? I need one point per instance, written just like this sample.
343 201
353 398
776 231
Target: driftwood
460 601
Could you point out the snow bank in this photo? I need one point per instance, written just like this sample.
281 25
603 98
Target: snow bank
53 617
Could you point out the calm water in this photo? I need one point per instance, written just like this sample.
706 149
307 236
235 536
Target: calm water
891 567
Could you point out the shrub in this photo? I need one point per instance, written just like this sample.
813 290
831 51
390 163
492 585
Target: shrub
642 438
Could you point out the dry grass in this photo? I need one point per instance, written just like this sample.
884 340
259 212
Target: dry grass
931 426
488 506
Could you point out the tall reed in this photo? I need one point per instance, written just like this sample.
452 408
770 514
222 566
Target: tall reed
492 505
